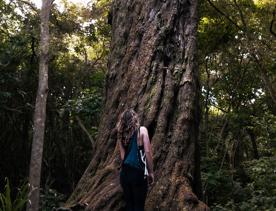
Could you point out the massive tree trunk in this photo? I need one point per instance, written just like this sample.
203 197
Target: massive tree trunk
152 68
40 110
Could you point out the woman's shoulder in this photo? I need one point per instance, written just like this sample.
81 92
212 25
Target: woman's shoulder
143 129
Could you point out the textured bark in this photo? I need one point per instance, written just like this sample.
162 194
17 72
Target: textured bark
40 110
152 68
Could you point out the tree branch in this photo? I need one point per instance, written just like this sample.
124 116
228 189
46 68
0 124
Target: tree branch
269 87
225 15
11 109
30 5
85 131
241 15
4 65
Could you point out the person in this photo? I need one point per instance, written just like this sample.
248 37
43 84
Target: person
134 178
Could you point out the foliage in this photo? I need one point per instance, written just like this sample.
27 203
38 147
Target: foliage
236 54
89 102
265 126
234 180
259 193
7 203
77 64
50 199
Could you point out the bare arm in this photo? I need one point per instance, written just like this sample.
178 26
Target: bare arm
147 148
122 150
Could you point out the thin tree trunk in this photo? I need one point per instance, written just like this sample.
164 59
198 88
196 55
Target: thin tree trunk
206 109
253 142
153 69
40 110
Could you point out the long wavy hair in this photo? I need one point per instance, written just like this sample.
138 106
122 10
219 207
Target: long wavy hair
127 124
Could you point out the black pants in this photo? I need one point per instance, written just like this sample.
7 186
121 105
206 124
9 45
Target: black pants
135 188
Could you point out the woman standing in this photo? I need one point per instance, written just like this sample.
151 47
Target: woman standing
137 163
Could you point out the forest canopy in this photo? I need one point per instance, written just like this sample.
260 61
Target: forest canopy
237 131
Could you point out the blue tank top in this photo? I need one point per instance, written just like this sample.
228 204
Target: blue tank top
134 154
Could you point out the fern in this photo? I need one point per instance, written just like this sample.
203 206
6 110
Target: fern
18 204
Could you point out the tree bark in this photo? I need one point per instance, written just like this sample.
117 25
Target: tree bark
40 110
152 68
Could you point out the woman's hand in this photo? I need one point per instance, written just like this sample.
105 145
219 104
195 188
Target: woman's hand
151 178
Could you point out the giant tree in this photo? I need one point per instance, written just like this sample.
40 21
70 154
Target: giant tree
152 68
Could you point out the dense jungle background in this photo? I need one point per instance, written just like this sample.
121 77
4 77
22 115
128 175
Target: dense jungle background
236 56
